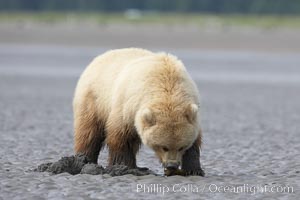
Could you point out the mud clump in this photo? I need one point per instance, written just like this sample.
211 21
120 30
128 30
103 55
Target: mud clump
71 164
119 170
92 169
80 164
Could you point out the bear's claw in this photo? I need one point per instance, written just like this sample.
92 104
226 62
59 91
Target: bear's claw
180 172
196 172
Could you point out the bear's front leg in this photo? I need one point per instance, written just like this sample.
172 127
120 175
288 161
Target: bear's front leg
191 160
123 144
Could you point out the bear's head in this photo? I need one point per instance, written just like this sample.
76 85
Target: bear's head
169 132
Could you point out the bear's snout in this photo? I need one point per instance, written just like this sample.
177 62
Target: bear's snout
171 165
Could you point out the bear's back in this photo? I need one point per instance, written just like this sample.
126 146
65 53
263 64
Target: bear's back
99 76
104 69
132 75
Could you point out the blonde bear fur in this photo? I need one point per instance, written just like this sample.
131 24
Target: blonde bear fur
126 97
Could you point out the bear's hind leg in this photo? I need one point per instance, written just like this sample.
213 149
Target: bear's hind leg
89 130
191 159
90 141
123 143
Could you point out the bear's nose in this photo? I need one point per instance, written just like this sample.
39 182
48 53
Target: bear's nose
172 165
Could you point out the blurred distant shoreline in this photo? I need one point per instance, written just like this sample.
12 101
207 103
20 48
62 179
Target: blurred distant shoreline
136 17
153 30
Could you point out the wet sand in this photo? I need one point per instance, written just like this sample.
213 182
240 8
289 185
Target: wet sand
173 36
250 117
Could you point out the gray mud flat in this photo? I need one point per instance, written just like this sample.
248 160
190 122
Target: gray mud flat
79 164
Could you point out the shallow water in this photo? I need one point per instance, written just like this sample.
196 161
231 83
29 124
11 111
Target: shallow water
250 118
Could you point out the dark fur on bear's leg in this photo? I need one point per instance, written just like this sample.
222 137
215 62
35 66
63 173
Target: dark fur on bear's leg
89 129
123 145
124 156
191 160
92 145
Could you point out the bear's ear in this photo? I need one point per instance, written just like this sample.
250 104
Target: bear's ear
191 113
148 117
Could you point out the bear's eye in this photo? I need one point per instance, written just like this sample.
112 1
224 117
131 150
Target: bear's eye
165 149
180 149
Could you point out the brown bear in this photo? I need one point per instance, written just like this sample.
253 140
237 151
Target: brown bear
127 97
